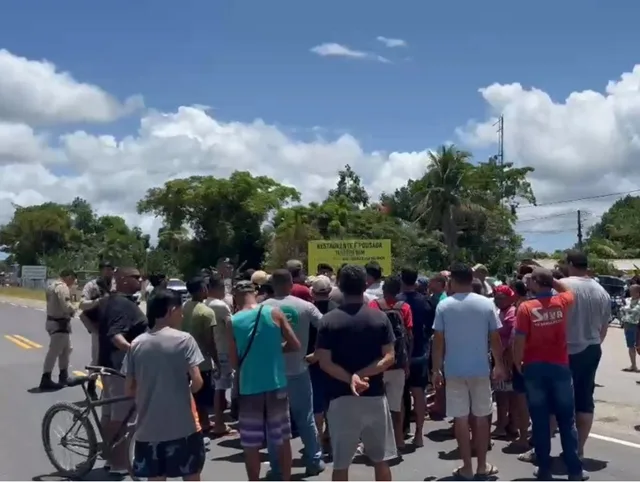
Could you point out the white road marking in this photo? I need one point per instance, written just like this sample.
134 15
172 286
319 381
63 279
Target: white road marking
613 440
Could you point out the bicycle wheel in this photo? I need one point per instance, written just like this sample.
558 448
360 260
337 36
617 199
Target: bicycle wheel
70 441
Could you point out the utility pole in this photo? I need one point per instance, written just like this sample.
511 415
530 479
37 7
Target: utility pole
579 230
500 156
501 140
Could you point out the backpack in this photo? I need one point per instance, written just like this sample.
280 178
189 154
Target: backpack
394 315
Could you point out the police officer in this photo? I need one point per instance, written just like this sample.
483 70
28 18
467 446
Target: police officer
92 293
58 325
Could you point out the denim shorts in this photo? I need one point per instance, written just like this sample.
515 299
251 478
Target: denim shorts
630 333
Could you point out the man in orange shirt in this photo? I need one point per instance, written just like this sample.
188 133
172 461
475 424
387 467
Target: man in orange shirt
540 354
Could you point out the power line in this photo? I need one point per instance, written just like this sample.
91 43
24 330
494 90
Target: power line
548 216
588 198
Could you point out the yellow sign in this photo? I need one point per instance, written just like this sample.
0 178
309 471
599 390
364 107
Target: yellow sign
352 251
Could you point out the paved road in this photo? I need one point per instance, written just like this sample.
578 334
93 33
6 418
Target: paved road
22 456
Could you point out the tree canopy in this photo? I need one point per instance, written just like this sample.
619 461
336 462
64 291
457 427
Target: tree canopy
457 210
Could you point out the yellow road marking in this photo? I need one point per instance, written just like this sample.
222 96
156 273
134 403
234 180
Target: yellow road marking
27 341
18 342
83 374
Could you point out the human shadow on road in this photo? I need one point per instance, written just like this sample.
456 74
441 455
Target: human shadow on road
36 390
231 443
94 474
450 455
454 477
590 465
440 434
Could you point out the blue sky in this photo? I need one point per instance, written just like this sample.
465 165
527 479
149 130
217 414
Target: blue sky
250 58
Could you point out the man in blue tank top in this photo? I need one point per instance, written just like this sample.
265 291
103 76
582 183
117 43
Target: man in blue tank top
256 353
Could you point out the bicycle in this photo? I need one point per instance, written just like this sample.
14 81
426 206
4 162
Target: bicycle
82 419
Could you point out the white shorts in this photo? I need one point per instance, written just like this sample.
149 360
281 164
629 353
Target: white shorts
394 388
468 395
225 376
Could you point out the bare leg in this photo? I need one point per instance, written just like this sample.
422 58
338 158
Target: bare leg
382 471
461 430
420 409
252 463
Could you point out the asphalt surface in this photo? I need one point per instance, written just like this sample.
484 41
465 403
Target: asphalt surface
612 452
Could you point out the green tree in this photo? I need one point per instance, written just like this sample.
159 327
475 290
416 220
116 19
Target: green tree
225 216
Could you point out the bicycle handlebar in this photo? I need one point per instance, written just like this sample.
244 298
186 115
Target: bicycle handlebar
106 371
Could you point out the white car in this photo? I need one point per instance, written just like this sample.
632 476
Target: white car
179 286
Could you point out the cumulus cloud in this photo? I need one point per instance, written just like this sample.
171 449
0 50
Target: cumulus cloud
586 146
338 50
114 173
36 92
392 42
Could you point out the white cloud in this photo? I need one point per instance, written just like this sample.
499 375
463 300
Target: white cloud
586 145
391 42
338 50
114 173
36 92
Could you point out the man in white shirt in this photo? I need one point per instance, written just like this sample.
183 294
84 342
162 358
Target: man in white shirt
374 281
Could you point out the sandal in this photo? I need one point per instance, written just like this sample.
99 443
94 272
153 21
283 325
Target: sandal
460 476
490 471
528 456
222 433
630 369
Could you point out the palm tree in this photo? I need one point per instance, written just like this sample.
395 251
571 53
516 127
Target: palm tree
445 195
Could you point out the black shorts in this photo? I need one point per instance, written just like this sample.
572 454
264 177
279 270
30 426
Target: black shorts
204 396
418 372
583 367
174 459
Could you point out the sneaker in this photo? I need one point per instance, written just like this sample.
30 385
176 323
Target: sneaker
315 469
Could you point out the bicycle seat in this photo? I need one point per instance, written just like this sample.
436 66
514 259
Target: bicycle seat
77 380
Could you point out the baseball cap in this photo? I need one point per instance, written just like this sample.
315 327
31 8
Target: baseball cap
480 267
321 284
422 280
543 277
294 264
259 277
244 286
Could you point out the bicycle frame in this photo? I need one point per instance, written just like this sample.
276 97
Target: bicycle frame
89 408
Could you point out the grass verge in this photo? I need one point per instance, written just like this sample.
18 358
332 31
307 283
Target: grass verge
25 293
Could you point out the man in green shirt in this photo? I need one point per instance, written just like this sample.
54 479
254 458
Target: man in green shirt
199 320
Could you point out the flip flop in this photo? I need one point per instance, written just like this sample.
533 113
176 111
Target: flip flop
491 470
630 370
223 433
460 476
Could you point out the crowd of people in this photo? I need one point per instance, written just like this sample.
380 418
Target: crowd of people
346 361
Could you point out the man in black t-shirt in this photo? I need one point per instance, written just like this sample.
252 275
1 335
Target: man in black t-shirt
120 321
355 346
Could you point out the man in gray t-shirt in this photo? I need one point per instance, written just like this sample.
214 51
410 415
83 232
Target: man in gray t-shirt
587 323
301 315
590 314
160 366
